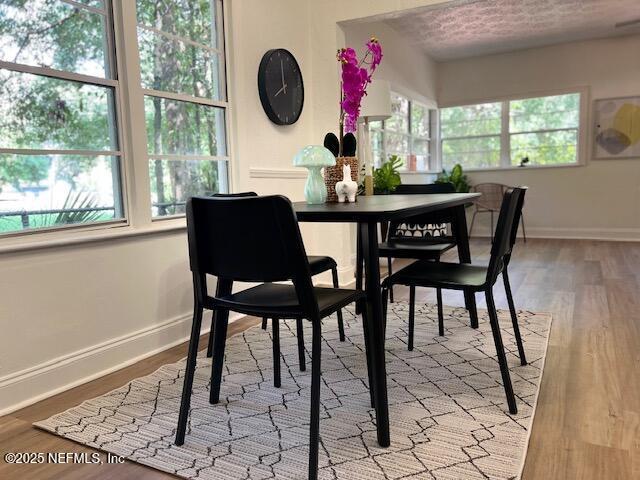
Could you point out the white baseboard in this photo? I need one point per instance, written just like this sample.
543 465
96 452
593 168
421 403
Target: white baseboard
605 234
23 388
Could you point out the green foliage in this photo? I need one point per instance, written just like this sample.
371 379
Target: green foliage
387 177
456 177
27 171
77 208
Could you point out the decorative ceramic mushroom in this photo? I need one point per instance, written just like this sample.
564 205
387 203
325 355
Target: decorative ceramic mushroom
314 157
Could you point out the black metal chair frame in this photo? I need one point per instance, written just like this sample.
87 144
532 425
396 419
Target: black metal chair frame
400 247
237 253
317 264
451 276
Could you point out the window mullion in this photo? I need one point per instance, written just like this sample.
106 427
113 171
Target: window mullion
137 163
505 138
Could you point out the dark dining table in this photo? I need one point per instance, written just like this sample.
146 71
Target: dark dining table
367 213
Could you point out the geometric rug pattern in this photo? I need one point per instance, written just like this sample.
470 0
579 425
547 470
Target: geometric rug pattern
447 407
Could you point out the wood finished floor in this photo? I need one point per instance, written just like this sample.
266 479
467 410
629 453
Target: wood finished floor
587 424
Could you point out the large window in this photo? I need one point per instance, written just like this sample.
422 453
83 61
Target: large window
181 65
65 66
530 131
406 134
60 157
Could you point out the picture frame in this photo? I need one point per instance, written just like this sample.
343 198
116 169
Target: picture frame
616 128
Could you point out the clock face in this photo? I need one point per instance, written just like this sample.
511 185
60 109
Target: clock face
280 86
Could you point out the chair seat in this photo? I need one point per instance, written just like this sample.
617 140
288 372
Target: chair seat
456 276
319 264
280 301
413 249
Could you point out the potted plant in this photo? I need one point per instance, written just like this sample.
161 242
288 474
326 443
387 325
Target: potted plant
456 177
387 177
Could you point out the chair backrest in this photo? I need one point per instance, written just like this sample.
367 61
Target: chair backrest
246 238
491 198
504 238
424 227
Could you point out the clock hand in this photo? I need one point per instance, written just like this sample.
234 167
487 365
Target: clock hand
283 89
284 85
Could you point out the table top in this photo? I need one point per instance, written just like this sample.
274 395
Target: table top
381 207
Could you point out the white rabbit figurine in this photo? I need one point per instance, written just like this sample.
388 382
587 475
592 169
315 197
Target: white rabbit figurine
346 188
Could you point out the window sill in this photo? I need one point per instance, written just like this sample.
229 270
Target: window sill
44 240
530 167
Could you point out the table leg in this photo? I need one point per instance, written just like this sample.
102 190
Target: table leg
369 237
358 266
464 254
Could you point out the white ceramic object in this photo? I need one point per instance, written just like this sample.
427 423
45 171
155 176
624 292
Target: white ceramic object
346 188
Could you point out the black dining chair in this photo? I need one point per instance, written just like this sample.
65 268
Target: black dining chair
420 237
475 278
318 265
254 239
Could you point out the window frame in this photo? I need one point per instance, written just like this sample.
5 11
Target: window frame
112 80
505 134
433 122
128 94
221 52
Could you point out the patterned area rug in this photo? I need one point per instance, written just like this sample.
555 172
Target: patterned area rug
448 412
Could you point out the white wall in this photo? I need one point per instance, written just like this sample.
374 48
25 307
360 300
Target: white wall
71 313
598 200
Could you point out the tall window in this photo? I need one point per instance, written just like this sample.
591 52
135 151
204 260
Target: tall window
406 134
531 131
60 157
182 71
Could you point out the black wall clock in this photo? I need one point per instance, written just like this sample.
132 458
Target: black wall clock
280 86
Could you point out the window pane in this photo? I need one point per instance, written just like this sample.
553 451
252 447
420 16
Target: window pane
178 67
53 34
545 113
49 113
420 147
376 140
548 148
184 128
39 191
192 19
419 120
174 181
471 152
399 121
396 143
482 119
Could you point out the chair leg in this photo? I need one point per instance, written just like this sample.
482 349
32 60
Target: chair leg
502 358
300 334
188 374
524 232
264 323
390 273
473 220
412 314
440 314
219 342
336 284
210 344
314 429
365 332
514 317
275 331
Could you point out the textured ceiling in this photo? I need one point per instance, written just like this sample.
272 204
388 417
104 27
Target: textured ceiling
482 27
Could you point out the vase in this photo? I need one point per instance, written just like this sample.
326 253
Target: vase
315 190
